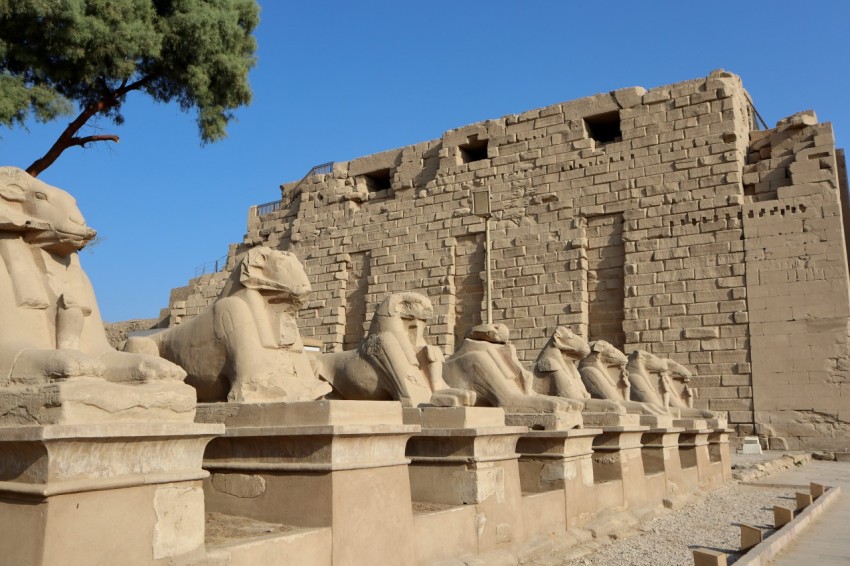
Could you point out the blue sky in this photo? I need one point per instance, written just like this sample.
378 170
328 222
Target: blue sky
338 80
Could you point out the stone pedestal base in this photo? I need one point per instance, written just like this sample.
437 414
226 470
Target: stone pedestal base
618 468
694 457
718 456
84 400
661 463
656 421
476 465
545 421
316 464
551 460
102 493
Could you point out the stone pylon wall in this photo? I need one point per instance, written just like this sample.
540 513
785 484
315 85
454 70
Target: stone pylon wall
690 178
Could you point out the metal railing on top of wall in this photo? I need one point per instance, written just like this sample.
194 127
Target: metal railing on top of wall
274 206
212 266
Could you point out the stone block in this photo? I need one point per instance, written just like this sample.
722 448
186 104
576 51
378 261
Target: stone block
545 421
782 516
72 498
80 400
708 557
751 445
803 500
750 537
454 417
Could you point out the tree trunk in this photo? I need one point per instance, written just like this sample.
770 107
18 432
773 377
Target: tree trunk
68 137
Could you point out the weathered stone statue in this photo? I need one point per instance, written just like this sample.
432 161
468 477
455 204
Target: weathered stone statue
555 372
652 383
246 346
487 364
394 361
684 398
54 355
603 371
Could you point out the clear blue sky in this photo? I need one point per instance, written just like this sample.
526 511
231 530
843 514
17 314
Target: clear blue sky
338 80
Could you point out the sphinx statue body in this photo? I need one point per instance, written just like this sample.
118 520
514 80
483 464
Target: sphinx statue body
604 374
486 363
652 382
54 353
394 361
246 346
555 372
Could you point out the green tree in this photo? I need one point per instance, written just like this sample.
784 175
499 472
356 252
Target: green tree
58 54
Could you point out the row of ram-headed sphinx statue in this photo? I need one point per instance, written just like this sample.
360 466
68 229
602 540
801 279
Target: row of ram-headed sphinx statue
246 347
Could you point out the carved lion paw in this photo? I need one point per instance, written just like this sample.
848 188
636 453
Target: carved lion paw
55 364
125 366
71 363
453 398
604 406
151 368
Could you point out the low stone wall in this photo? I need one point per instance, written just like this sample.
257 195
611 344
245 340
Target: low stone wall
116 332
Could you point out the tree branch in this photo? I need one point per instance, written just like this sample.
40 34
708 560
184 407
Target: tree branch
125 88
68 137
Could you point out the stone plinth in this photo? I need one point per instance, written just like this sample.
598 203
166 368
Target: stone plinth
430 418
474 465
86 400
700 423
694 457
94 494
545 421
691 424
551 460
317 464
661 462
656 421
618 467
599 420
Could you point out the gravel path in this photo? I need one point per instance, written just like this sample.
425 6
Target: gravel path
711 523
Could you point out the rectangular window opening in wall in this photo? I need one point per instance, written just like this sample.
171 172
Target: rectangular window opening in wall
473 150
604 128
379 183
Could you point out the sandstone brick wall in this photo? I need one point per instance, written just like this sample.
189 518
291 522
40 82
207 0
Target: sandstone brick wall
797 289
660 193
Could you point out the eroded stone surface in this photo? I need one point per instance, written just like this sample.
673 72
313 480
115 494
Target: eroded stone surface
180 521
239 485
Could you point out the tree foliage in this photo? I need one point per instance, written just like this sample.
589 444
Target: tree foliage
55 54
